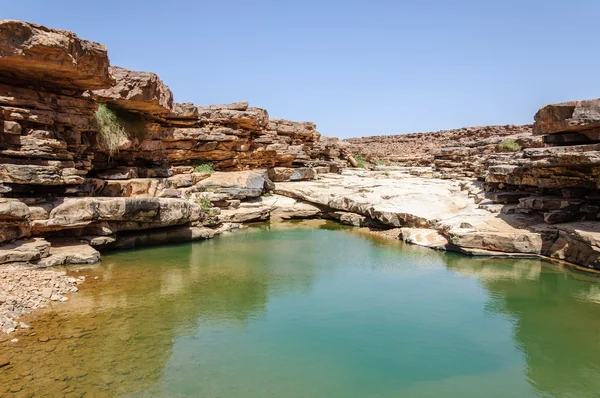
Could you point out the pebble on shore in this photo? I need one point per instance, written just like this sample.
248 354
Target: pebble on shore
23 290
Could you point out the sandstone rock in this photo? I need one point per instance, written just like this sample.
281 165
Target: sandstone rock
250 118
424 237
235 106
24 250
420 148
71 213
567 116
138 91
30 52
13 210
273 207
354 219
577 243
185 110
279 174
68 252
392 202
239 184
39 172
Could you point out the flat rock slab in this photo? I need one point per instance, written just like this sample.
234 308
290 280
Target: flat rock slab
26 250
273 207
432 212
237 184
66 251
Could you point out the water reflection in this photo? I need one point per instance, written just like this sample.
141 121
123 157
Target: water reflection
557 320
357 315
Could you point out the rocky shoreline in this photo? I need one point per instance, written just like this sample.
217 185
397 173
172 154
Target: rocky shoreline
95 157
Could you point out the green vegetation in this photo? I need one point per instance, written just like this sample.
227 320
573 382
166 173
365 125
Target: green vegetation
208 212
509 145
385 173
111 132
204 168
381 162
117 125
361 161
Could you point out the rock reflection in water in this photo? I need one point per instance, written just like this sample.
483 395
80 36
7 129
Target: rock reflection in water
556 316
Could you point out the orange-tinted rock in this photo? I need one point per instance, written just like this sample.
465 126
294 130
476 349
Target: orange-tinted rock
57 58
567 116
137 91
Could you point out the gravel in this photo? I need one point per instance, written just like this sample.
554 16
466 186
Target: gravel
23 290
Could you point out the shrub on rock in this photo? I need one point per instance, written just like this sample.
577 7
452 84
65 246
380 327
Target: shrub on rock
509 145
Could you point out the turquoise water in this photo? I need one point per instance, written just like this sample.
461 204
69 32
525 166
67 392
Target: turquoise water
315 310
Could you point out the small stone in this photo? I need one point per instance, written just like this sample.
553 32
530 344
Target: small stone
23 325
55 297
4 361
47 292
107 379
14 341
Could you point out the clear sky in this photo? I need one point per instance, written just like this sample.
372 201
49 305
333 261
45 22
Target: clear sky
355 68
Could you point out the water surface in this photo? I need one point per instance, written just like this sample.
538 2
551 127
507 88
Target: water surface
313 310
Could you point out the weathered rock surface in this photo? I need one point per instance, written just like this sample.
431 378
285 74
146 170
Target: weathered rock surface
35 53
138 91
273 207
279 174
578 116
444 214
421 148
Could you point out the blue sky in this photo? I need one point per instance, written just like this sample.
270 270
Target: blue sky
356 68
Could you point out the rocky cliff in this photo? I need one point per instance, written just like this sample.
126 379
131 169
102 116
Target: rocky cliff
98 156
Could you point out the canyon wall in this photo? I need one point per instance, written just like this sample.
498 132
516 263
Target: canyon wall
71 183
68 185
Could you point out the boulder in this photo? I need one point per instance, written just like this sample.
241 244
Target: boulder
185 110
137 91
567 116
280 174
51 57
250 118
65 251
237 184
24 250
424 237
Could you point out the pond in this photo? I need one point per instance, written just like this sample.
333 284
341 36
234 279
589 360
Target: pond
312 309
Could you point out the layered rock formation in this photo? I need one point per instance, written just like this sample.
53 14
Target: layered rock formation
68 189
421 149
76 186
